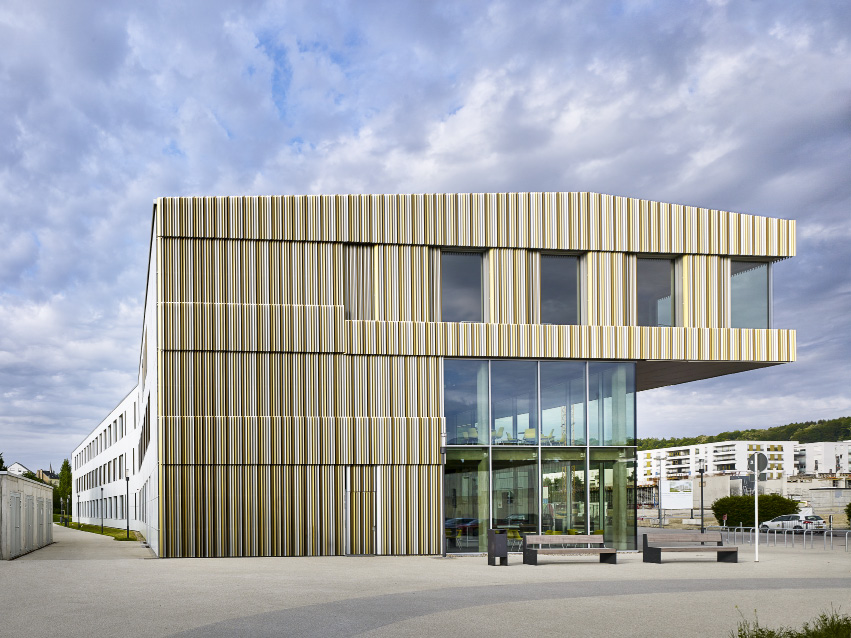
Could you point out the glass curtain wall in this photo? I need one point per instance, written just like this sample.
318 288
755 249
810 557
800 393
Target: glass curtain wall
749 294
556 457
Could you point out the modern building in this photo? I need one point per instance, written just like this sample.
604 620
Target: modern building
826 457
726 457
391 374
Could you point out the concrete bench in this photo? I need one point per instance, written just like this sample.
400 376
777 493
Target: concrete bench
544 545
656 544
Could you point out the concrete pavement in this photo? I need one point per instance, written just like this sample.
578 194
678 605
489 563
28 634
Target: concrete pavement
86 584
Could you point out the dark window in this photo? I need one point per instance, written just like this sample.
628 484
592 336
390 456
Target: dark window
559 289
655 299
461 286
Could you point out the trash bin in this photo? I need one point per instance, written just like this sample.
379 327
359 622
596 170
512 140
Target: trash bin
497 546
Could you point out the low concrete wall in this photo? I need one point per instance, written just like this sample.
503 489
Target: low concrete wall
26 515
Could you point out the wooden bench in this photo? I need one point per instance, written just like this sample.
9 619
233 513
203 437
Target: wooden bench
655 544
544 545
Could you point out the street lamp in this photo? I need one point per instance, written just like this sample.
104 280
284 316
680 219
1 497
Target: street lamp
101 510
701 469
127 501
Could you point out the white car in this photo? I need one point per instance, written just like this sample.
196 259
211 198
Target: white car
799 522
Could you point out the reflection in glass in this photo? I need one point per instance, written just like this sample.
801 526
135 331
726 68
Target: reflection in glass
611 403
515 491
559 289
461 286
514 391
563 491
654 299
748 294
465 506
562 403
465 397
612 488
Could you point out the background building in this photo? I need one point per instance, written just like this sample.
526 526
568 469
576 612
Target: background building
829 458
373 374
726 457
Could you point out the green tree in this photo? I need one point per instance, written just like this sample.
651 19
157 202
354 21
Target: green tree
2 465
848 513
64 490
739 509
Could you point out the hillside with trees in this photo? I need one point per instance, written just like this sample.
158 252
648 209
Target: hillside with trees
809 432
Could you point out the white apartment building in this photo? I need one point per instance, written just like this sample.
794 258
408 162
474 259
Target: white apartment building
726 457
826 457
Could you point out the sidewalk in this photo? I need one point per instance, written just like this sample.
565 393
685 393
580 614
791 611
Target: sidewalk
90 585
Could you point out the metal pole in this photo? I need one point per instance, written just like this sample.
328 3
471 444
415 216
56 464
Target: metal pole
101 510
702 525
756 502
127 504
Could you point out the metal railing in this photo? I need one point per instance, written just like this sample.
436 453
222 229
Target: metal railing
749 535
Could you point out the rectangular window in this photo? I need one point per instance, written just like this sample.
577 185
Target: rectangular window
465 397
654 292
466 499
749 294
562 403
515 492
461 287
611 403
611 489
563 491
514 388
559 289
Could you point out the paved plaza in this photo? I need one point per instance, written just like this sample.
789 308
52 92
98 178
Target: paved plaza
88 585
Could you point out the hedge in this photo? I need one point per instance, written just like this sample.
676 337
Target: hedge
739 509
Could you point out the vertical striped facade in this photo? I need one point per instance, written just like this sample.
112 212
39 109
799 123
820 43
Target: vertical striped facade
299 346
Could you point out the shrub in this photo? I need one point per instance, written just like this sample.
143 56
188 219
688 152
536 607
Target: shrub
826 625
848 514
739 509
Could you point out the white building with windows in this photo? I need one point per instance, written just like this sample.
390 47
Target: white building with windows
101 464
826 457
17 469
726 457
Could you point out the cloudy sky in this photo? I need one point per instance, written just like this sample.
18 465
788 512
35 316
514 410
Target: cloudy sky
742 106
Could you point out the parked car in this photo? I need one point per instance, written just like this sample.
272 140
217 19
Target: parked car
799 522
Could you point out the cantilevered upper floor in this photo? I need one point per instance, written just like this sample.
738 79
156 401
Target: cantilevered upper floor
683 291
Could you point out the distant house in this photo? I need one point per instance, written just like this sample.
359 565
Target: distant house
17 469
48 476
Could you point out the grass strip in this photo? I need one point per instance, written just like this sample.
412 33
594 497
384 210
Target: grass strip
117 534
